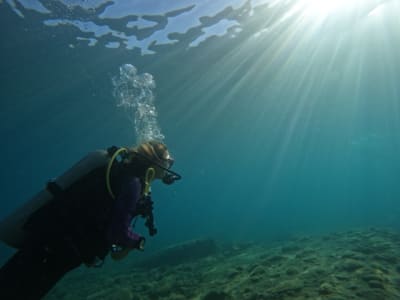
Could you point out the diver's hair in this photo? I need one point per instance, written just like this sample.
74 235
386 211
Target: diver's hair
153 150
148 151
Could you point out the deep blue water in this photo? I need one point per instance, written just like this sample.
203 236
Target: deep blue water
286 124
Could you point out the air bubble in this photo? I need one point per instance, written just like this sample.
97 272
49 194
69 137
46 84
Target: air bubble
134 93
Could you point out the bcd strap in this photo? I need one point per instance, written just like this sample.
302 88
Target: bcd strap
114 156
149 177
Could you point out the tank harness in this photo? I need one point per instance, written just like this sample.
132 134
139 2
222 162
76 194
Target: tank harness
145 202
12 230
115 152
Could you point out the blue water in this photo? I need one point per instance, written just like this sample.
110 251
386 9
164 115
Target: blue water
283 118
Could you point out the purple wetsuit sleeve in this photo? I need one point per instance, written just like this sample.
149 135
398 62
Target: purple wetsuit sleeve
124 210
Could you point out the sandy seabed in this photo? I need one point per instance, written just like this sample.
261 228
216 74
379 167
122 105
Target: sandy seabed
357 264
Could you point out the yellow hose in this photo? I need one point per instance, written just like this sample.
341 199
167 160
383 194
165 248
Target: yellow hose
108 172
150 174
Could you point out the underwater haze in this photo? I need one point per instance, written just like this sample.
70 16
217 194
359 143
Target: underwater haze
283 116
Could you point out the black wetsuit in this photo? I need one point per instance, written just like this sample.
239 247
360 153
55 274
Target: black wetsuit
78 226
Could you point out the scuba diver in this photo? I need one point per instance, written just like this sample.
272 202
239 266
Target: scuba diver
82 216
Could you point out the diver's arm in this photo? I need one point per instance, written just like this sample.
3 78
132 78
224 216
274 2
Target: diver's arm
120 232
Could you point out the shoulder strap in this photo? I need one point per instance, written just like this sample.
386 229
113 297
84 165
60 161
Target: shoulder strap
116 151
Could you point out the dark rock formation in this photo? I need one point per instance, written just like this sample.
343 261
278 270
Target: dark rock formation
181 253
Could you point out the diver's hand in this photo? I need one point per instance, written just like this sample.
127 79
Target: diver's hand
145 206
120 253
141 243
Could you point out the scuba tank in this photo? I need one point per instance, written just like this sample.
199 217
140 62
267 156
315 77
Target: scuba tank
11 228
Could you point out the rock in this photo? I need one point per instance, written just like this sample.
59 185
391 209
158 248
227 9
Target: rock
288 287
374 294
305 253
364 249
342 277
233 274
325 288
389 258
215 295
181 253
352 255
177 297
376 284
349 265
371 277
239 268
272 271
290 249
310 260
353 287
257 271
314 273
275 259
291 271
112 294
257 296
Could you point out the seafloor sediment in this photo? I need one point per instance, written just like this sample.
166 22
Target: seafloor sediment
358 264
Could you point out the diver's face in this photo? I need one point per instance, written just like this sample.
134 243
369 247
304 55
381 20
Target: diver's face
167 162
160 173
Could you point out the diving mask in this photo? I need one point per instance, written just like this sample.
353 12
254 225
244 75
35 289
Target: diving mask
165 164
